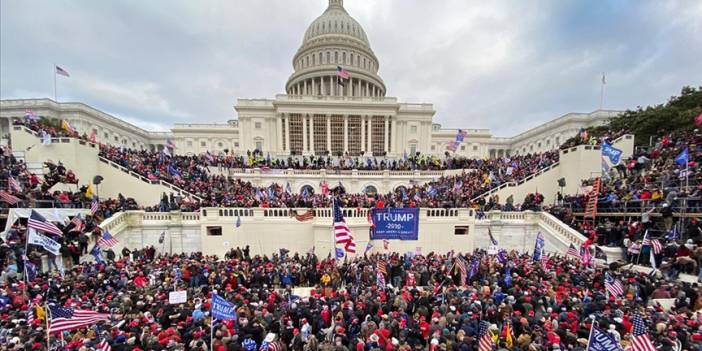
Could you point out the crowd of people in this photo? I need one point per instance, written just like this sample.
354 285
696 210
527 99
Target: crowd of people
388 301
192 174
657 185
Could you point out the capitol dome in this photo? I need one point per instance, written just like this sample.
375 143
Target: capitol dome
335 39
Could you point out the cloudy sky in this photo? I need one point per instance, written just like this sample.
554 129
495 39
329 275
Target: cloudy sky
504 65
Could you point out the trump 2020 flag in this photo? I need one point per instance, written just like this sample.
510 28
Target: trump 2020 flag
611 152
602 341
339 252
222 309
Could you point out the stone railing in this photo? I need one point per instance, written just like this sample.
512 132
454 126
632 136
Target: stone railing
150 181
240 172
517 183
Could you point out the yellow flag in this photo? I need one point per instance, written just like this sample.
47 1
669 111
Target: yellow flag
40 313
508 337
67 126
89 193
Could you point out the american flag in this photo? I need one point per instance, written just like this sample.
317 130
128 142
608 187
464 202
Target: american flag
62 72
14 185
170 144
107 240
40 223
640 339
67 318
30 314
380 280
381 267
462 267
613 286
342 73
104 345
308 215
94 206
655 245
341 230
78 224
573 251
485 342
9 198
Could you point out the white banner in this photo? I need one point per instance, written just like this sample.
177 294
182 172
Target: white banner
43 241
176 297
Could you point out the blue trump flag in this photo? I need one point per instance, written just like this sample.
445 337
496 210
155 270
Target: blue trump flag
611 152
339 252
683 158
222 309
539 246
601 341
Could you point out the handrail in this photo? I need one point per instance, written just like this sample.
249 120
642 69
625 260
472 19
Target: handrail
519 182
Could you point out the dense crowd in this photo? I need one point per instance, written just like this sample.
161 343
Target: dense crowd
543 305
658 189
192 174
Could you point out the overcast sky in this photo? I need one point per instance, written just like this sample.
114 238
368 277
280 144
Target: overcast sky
503 65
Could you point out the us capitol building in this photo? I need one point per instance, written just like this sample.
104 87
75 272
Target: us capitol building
316 115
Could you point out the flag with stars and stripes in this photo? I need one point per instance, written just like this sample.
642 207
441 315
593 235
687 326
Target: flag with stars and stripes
573 251
61 318
613 285
640 339
14 185
40 223
485 342
104 345
107 240
461 263
342 232
9 198
381 267
655 245
94 206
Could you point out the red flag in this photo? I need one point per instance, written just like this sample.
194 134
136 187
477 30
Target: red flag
698 119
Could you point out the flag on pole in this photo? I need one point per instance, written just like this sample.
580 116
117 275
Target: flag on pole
97 253
381 267
600 254
62 72
14 185
613 286
9 198
68 318
585 255
342 73
162 237
369 246
104 345
30 115
463 269
342 232
603 341
640 340
683 158
222 309
40 223
107 240
604 80
655 245
238 221
47 243
30 270
170 144
386 244
67 126
485 342
94 206
380 280
93 136
573 251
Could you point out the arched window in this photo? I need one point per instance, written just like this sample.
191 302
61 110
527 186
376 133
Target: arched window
401 189
320 58
351 58
336 57
343 57
370 190
328 57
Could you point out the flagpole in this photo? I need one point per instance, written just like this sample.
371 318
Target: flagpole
55 96
212 333
592 327
47 316
602 91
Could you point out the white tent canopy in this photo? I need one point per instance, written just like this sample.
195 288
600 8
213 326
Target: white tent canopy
51 214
